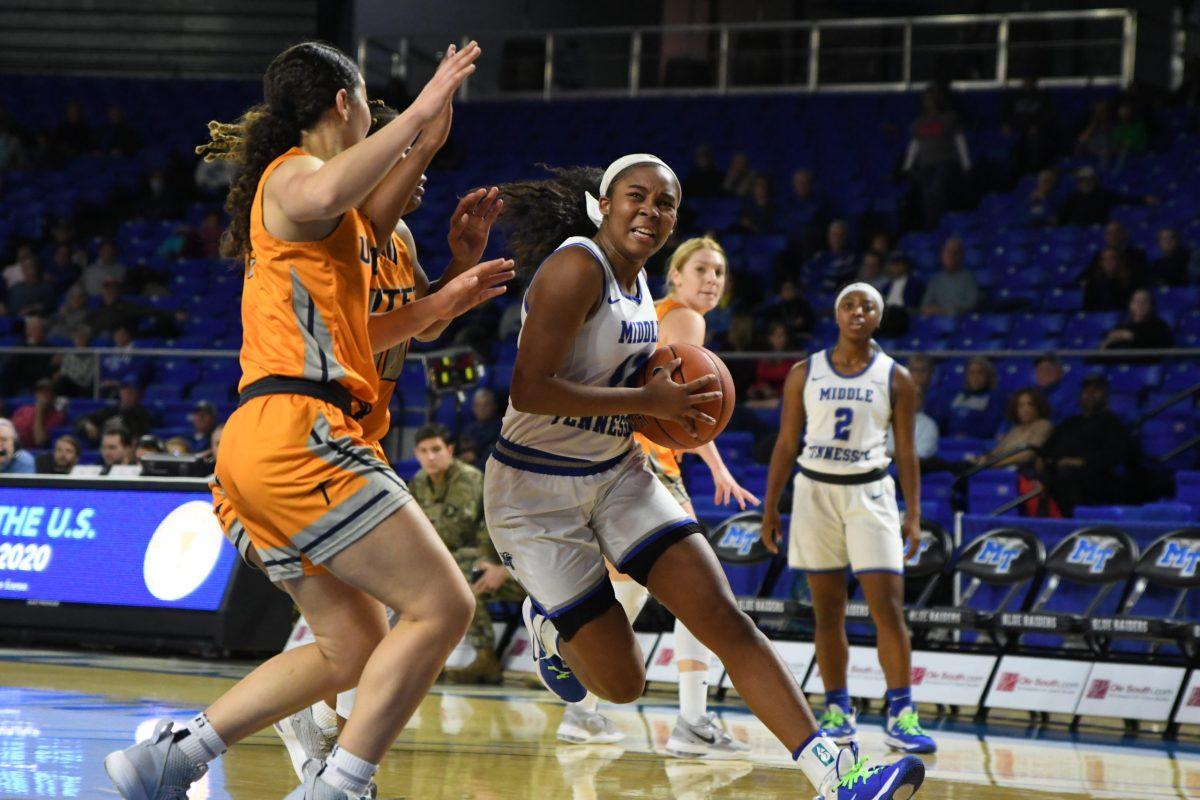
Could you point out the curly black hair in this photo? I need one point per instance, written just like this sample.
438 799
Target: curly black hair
298 88
539 214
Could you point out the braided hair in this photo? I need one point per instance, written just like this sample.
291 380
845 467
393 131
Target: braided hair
299 86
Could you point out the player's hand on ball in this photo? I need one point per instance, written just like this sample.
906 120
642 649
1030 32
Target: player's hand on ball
911 528
677 402
477 285
772 529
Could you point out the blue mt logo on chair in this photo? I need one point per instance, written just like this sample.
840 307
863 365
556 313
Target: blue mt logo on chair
741 538
1181 555
1000 553
1093 552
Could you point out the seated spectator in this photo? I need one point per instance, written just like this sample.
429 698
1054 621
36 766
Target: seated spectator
122 367
758 209
12 152
13 459
204 420
62 459
1091 203
1028 415
1087 453
105 267
1116 236
24 370
1095 141
790 309
1171 266
205 241
76 370
116 312
977 409
952 290
739 177
73 136
870 270
1043 201
1143 329
148 445
704 179
133 415
770 373
1129 136
116 446
32 295
925 433
118 137
937 155
902 296
920 369
836 264
73 313
804 212
1110 288
480 434
14 273
178 446
35 420
158 198
65 265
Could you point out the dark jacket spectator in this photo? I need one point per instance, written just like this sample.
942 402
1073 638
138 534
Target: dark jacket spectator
33 294
836 264
1143 329
1110 288
129 409
116 312
1091 203
73 135
1171 266
1048 375
953 289
1117 237
204 421
804 212
1044 199
479 436
62 459
978 408
758 209
791 309
704 179
116 446
118 137
1087 451
739 177
24 370
902 290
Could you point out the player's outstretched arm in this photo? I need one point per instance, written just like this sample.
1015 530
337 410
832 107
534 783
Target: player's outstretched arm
783 457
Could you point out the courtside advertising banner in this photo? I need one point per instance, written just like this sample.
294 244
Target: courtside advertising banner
1131 691
121 547
1189 706
1038 684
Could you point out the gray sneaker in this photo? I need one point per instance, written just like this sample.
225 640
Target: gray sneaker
580 727
313 788
703 739
153 769
304 739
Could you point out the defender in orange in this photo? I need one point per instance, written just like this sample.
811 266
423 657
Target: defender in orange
329 520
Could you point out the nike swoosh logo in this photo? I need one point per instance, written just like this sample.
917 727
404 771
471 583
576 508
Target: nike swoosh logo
814 380
710 739
875 496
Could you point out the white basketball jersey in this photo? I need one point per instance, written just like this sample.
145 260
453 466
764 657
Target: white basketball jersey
847 416
608 349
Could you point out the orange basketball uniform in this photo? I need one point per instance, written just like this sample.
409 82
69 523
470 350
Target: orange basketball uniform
296 478
663 461
393 285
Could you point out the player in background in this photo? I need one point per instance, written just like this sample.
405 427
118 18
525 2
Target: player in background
841 402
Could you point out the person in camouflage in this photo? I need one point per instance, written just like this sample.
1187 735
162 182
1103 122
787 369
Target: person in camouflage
450 493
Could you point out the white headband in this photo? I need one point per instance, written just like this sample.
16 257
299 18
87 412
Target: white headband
867 289
614 169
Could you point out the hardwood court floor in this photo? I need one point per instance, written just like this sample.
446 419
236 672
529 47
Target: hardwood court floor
61 712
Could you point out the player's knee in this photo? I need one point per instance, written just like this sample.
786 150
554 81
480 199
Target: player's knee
625 686
347 658
458 608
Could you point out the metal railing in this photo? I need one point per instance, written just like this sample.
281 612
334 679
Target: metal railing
973 51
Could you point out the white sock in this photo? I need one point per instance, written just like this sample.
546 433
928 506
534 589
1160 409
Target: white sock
324 716
346 771
693 695
632 596
198 741
548 635
588 704
345 703
818 758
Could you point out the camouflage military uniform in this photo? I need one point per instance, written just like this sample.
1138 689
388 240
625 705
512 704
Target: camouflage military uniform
456 510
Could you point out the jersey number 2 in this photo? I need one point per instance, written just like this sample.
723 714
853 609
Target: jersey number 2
841 430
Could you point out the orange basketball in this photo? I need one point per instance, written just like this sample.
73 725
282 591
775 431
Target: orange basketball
696 362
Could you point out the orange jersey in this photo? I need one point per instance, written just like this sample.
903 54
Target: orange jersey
663 457
304 304
392 285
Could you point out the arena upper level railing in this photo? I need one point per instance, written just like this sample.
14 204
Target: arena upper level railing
976 51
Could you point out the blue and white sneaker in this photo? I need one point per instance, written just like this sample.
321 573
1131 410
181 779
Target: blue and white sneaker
904 732
552 670
839 724
852 779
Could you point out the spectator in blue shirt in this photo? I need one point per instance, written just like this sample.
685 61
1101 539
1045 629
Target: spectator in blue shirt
977 409
837 264
13 460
